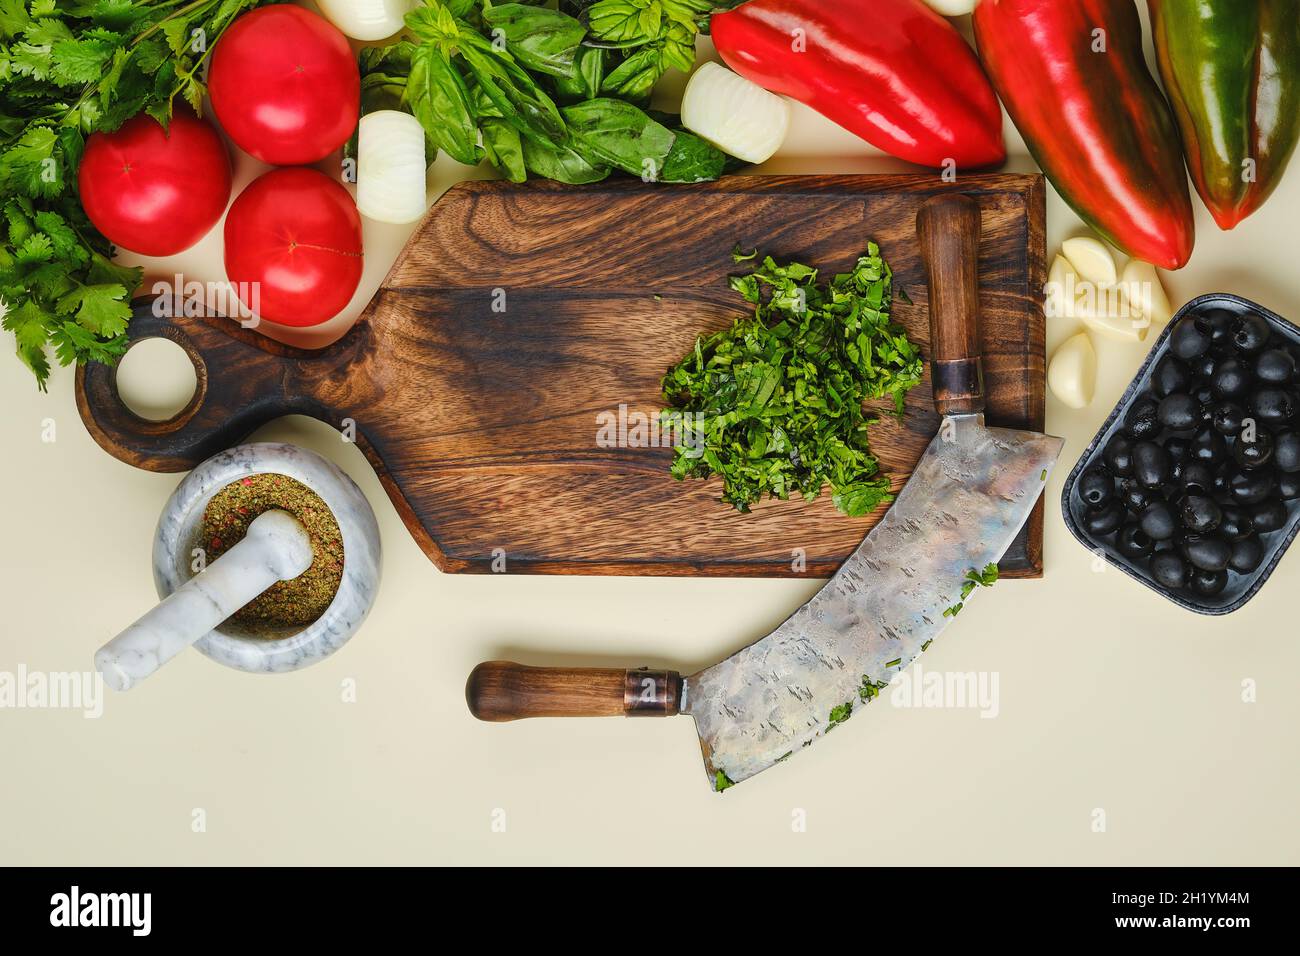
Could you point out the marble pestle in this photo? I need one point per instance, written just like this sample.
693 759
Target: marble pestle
276 548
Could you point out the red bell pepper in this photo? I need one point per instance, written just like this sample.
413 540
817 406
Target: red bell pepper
892 71
1074 79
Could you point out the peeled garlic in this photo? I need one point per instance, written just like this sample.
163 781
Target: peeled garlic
1072 373
1144 292
1106 312
367 19
953 8
737 116
390 167
1091 259
1062 290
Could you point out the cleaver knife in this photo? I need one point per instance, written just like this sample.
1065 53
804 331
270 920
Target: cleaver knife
965 501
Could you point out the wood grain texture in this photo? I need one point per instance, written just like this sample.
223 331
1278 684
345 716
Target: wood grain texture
483 424
503 690
948 230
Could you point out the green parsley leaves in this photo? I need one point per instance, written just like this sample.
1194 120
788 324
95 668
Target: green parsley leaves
986 578
774 405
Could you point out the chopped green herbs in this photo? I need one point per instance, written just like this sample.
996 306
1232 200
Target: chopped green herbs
721 782
986 578
870 690
840 714
894 663
775 403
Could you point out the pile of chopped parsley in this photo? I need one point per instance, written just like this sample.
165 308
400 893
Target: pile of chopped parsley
774 405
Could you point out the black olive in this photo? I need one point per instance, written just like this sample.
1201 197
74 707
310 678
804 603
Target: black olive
1253 448
1226 418
1235 523
1104 520
1133 496
1202 367
1198 478
1157 522
1170 376
1232 378
1251 487
1275 366
1209 446
1119 455
1141 421
1246 555
1179 412
1150 464
1178 448
1288 485
1200 514
1209 552
1187 340
1205 395
1269 516
1221 485
1250 332
1174 483
1217 324
1209 583
1273 406
1095 487
1170 570
1133 542
1286 451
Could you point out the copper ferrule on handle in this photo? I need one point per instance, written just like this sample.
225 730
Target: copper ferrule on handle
961 383
648 693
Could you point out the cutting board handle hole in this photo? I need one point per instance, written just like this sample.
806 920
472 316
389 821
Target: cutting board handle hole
161 380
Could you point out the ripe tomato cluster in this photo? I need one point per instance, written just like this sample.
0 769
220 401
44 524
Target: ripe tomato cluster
285 87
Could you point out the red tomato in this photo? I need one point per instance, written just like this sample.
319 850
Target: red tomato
155 192
297 234
285 85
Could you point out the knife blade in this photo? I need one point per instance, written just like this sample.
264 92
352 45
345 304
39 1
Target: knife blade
968 496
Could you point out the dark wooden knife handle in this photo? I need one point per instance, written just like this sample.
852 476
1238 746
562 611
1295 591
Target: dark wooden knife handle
949 230
503 690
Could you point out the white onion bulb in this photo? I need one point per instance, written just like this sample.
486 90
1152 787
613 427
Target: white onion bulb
366 19
391 167
953 8
737 116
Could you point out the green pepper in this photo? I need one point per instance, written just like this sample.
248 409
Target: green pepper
1232 71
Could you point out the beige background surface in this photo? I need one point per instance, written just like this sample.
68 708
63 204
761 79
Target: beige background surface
1110 697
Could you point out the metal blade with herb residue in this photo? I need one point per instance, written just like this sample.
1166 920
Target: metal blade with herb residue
970 493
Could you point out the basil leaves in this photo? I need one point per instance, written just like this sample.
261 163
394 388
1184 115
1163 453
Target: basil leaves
522 85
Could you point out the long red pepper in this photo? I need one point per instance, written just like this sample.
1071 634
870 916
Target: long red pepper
892 71
1074 79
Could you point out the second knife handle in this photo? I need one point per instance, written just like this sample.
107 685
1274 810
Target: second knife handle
504 690
949 231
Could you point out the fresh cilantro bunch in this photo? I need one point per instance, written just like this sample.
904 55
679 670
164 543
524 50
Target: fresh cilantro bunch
775 402
69 68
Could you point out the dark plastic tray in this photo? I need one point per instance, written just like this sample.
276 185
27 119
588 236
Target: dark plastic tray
1241 587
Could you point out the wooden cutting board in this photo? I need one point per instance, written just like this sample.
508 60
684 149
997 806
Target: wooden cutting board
518 319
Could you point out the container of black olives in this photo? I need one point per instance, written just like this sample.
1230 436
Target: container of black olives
1192 485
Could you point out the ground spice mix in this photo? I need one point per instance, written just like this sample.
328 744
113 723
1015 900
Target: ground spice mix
301 600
